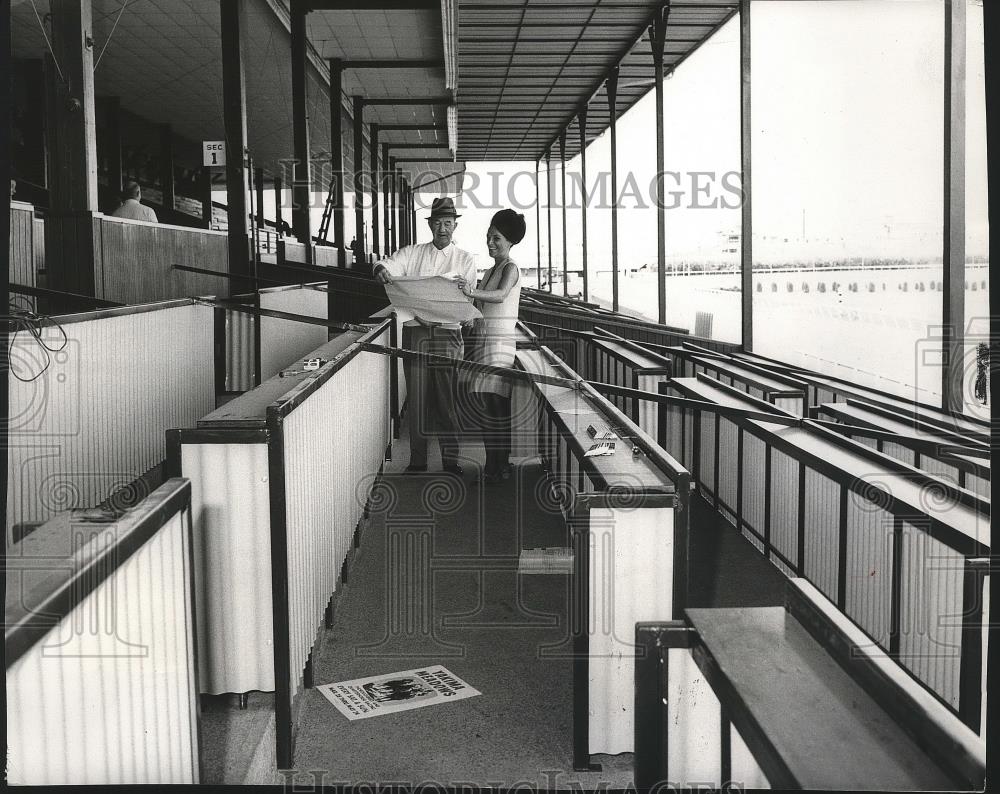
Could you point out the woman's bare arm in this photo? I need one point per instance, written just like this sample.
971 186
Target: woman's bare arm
507 282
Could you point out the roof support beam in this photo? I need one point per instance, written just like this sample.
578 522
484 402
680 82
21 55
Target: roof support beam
367 5
359 191
411 100
347 64
390 165
581 119
302 176
611 89
337 155
657 36
548 206
746 233
538 225
387 198
953 295
234 104
410 127
373 146
562 160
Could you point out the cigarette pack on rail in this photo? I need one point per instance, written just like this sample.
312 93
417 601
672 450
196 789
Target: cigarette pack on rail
546 560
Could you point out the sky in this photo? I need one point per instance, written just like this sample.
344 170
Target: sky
847 147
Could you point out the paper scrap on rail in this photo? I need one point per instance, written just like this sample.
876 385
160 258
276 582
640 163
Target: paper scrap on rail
434 300
374 696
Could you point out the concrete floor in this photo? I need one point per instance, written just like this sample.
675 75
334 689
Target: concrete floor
435 582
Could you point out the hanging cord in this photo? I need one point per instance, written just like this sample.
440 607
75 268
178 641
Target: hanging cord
112 33
41 27
27 320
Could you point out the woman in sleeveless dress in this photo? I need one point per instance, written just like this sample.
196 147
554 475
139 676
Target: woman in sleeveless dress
497 296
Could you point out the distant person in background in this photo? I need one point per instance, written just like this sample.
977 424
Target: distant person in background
497 296
131 208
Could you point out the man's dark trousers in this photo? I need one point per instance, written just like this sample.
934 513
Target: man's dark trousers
430 389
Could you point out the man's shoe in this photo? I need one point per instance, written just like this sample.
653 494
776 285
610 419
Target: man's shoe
453 468
416 468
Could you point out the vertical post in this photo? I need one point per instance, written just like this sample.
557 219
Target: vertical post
386 198
71 250
746 231
400 203
611 87
562 160
657 38
404 209
337 153
278 200
359 165
206 196
413 217
390 167
538 223
302 181
953 295
581 119
258 183
167 166
373 146
235 117
113 145
548 206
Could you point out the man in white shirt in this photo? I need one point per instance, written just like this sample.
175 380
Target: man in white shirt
431 389
131 208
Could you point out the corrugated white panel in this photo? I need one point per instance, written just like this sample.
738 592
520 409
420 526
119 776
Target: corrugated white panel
753 482
869 567
785 505
825 396
649 411
284 341
694 751
525 408
939 468
674 430
728 462
746 772
930 613
898 451
706 453
334 444
978 485
688 431
868 442
822 518
108 696
753 391
232 530
631 579
95 418
240 343
793 405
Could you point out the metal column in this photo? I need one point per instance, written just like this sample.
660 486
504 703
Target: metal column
302 182
386 199
390 167
373 146
548 207
337 154
538 225
359 188
582 123
562 160
657 37
235 118
953 309
746 232
611 86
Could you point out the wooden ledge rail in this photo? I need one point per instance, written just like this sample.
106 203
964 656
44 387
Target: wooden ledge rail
862 526
716 674
627 522
100 647
281 478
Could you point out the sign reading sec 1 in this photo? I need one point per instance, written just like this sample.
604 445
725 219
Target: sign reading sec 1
213 153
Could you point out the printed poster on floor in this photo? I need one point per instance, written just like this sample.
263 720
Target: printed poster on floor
392 692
